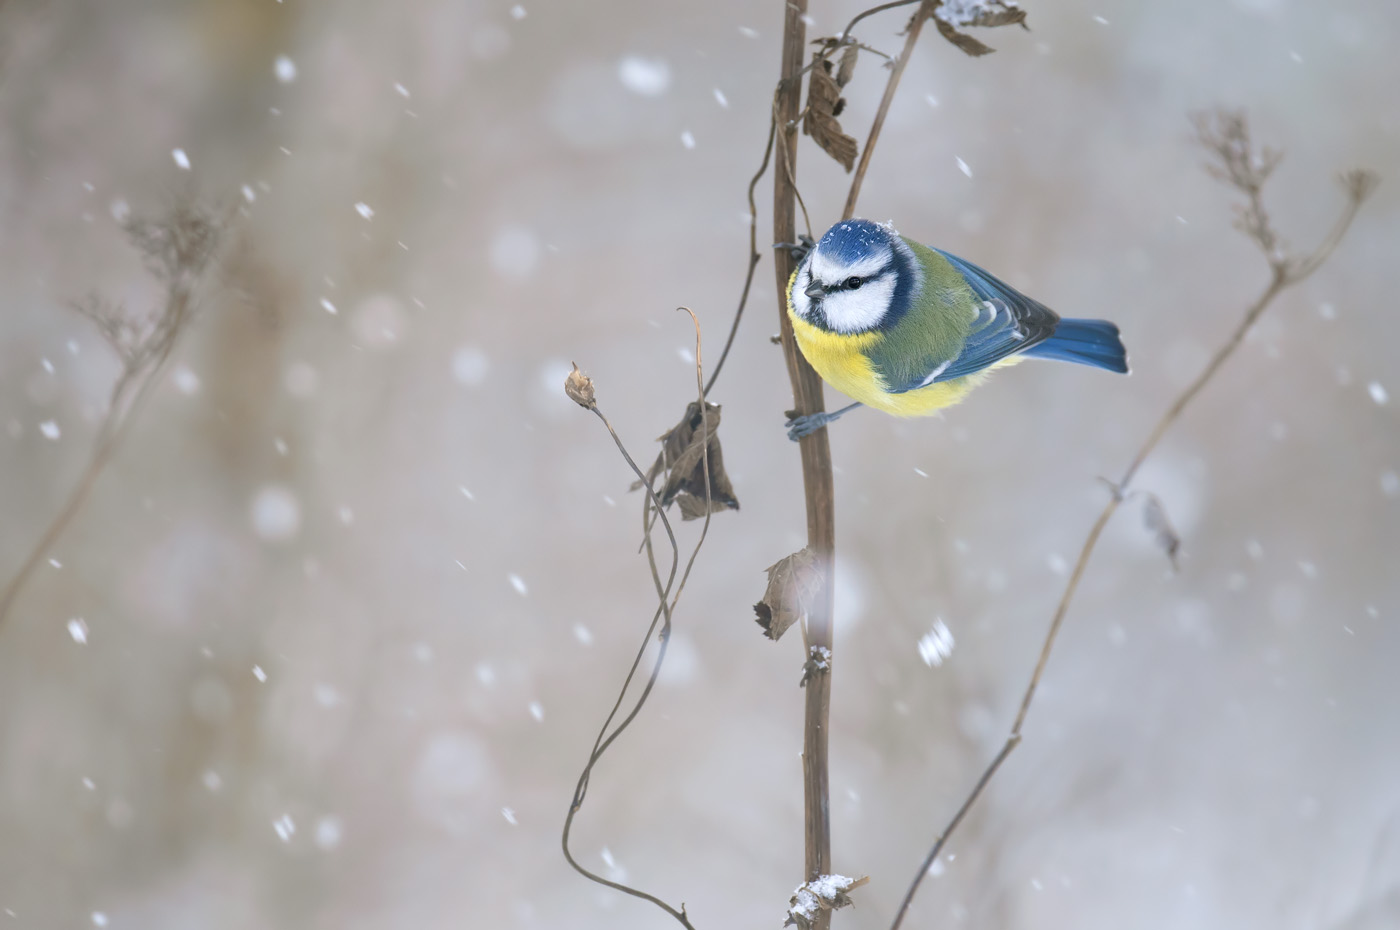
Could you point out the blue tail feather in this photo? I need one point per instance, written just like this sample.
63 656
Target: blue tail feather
1088 342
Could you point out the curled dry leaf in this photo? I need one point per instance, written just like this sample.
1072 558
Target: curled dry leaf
824 104
683 464
825 893
847 68
962 40
579 387
1154 517
981 13
792 586
951 14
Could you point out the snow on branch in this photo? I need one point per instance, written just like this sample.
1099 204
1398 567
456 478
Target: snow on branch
824 893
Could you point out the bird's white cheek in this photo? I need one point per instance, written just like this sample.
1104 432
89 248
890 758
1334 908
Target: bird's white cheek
861 309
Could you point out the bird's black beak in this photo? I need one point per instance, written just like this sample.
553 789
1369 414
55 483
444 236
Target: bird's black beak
815 290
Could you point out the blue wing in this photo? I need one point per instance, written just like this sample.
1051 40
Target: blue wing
1007 322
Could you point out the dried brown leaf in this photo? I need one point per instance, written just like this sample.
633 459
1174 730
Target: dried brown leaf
847 68
962 40
793 583
824 104
683 465
981 13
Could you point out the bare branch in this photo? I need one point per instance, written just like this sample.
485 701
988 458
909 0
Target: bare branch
754 255
178 248
1226 136
926 8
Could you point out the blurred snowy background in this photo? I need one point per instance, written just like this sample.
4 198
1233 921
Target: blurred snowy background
359 587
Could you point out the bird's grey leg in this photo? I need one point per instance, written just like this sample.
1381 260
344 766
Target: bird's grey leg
798 249
805 425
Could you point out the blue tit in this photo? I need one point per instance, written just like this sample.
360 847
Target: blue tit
909 330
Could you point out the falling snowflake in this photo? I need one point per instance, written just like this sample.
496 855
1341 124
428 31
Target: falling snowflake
182 161
275 513
329 831
644 76
936 645
186 381
364 210
285 827
78 629
285 69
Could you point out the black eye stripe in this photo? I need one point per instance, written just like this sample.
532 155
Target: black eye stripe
845 283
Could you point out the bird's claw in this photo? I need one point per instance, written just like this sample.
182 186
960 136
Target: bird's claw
805 425
799 249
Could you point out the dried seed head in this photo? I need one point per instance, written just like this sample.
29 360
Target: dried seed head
579 387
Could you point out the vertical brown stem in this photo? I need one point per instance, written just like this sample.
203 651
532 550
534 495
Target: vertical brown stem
816 464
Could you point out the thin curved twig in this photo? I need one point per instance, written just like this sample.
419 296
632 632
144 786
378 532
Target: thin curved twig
754 256
916 25
871 12
1285 273
666 605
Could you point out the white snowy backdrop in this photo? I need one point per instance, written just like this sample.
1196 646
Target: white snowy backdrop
359 586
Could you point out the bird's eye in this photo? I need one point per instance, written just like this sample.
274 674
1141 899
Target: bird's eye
853 282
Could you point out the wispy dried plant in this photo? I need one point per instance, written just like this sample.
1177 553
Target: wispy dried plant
579 388
178 249
1234 160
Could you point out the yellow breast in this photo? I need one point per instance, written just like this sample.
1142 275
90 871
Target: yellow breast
842 362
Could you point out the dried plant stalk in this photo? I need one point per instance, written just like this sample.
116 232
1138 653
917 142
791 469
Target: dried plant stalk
178 249
817 480
1235 161
579 388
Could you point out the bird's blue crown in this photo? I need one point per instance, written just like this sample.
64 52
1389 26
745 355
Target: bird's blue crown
852 240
